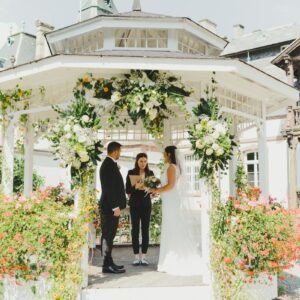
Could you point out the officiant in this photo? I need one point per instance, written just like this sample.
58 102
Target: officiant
140 207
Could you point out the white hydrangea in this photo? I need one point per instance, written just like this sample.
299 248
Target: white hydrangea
219 152
199 144
85 118
209 139
209 151
152 114
115 97
67 127
220 128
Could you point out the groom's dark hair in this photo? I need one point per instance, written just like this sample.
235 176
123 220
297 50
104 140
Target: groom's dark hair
170 150
113 146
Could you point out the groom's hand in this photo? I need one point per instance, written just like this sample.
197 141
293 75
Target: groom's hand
117 212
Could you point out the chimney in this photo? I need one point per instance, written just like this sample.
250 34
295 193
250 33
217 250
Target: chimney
238 31
42 48
208 24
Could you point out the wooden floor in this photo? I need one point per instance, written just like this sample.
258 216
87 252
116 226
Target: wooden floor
135 277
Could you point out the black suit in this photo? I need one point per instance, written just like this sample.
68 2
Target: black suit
140 212
112 196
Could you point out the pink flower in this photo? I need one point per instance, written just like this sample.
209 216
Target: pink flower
18 205
252 203
7 214
18 237
22 199
28 206
8 199
42 240
227 260
10 250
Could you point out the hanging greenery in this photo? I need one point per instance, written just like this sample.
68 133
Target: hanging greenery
210 137
147 95
75 139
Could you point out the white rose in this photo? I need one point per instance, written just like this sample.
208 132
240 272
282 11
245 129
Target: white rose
152 114
68 135
209 151
199 144
85 118
84 158
81 139
76 164
215 146
77 128
215 135
220 128
198 127
67 127
208 140
116 96
219 152
82 153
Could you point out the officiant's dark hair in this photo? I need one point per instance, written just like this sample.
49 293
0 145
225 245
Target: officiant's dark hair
170 150
136 166
113 146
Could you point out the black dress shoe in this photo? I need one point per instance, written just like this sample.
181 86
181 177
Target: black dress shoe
117 267
111 269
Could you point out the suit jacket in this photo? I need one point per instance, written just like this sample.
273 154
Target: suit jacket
137 197
112 186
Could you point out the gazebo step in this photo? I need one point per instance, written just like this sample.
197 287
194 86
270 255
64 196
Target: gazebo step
148 293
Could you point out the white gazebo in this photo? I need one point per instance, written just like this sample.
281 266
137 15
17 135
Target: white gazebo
113 44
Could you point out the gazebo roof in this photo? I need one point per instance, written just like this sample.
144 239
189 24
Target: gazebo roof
59 74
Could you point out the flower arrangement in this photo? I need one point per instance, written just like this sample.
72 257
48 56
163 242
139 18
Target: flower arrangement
75 137
38 238
151 182
211 140
10 98
251 236
145 95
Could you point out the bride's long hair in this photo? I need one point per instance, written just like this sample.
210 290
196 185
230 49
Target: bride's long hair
171 151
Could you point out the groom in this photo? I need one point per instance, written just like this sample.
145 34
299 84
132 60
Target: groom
112 200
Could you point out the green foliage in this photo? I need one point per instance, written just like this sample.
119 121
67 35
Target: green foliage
37 180
145 95
250 237
211 140
39 238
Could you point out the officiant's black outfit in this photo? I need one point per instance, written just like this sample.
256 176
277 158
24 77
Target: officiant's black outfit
112 196
140 212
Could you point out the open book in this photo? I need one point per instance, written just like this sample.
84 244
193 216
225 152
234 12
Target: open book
134 179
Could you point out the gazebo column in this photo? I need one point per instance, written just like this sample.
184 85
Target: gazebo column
233 163
28 158
8 156
263 156
292 171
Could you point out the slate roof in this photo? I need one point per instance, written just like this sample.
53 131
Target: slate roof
263 38
22 48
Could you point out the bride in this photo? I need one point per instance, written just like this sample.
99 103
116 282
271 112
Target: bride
180 249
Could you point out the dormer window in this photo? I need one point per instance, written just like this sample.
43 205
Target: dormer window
141 38
2 62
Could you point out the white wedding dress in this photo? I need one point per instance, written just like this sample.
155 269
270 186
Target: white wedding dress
180 244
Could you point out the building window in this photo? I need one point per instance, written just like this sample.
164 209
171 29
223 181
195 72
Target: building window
2 62
141 38
192 172
188 43
252 167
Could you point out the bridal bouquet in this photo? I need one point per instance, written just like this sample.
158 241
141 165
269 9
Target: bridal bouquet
151 182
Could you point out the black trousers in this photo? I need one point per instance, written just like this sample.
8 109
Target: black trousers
109 226
140 217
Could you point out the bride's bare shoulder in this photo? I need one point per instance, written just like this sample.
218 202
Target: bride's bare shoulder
172 167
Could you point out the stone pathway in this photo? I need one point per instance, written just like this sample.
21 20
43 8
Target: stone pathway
136 277
141 277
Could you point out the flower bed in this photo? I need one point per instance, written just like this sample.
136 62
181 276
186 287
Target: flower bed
39 239
251 236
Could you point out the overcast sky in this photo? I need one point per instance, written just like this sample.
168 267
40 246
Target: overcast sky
254 14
